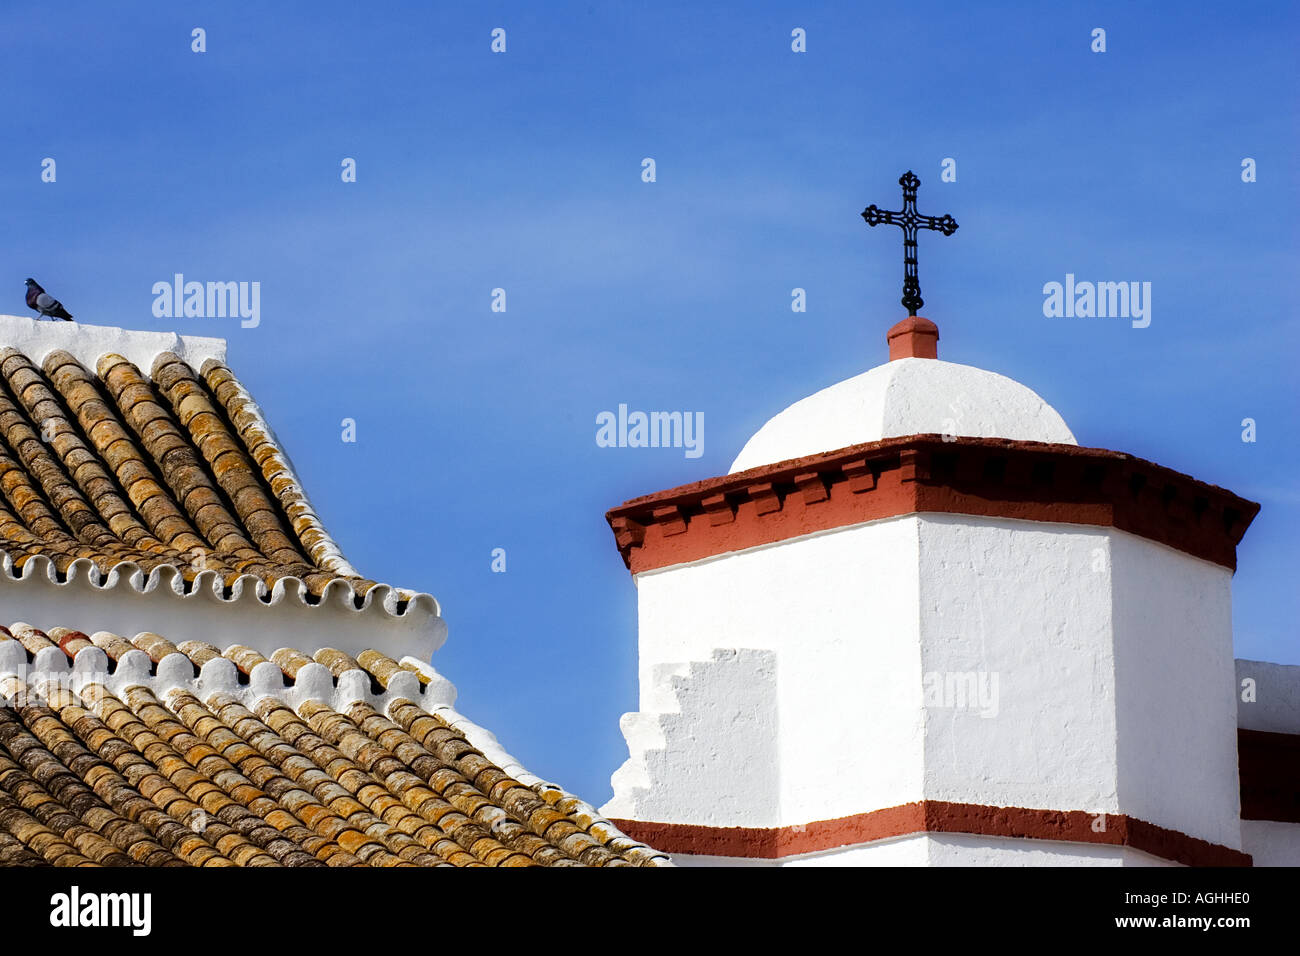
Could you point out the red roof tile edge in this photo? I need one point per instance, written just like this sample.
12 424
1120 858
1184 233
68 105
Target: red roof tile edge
986 477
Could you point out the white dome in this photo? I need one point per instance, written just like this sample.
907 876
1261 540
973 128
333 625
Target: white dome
908 396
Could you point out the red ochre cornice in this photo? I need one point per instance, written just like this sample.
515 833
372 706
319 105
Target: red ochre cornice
934 816
986 477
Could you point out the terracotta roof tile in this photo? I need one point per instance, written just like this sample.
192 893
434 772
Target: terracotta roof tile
101 770
169 467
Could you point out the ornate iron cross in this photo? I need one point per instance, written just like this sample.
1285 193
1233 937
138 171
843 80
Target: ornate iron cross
911 221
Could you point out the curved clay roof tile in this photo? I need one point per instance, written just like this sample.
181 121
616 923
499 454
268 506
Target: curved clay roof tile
174 468
195 767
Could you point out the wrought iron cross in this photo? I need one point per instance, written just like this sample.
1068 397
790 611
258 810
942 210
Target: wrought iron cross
911 221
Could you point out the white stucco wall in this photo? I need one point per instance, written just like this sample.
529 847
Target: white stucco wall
1105 661
1025 608
959 849
1115 673
713 733
950 849
1274 697
838 613
1174 674
1271 843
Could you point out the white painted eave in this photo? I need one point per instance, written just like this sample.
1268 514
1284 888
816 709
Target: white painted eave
37 338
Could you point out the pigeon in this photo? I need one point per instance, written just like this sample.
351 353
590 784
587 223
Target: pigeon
44 303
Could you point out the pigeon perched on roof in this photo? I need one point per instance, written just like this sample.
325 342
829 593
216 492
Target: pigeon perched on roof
44 303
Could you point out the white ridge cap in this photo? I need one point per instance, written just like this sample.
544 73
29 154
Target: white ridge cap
37 338
908 396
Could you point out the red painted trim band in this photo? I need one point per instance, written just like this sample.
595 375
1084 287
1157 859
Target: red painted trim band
932 816
987 477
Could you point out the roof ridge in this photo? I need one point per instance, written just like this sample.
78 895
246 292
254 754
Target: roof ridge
36 339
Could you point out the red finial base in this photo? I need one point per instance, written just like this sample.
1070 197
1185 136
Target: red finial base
914 337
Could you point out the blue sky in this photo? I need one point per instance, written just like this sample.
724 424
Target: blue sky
522 171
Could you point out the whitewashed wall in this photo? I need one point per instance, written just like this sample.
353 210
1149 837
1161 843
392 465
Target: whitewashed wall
950 849
1028 605
1177 712
838 613
1111 656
